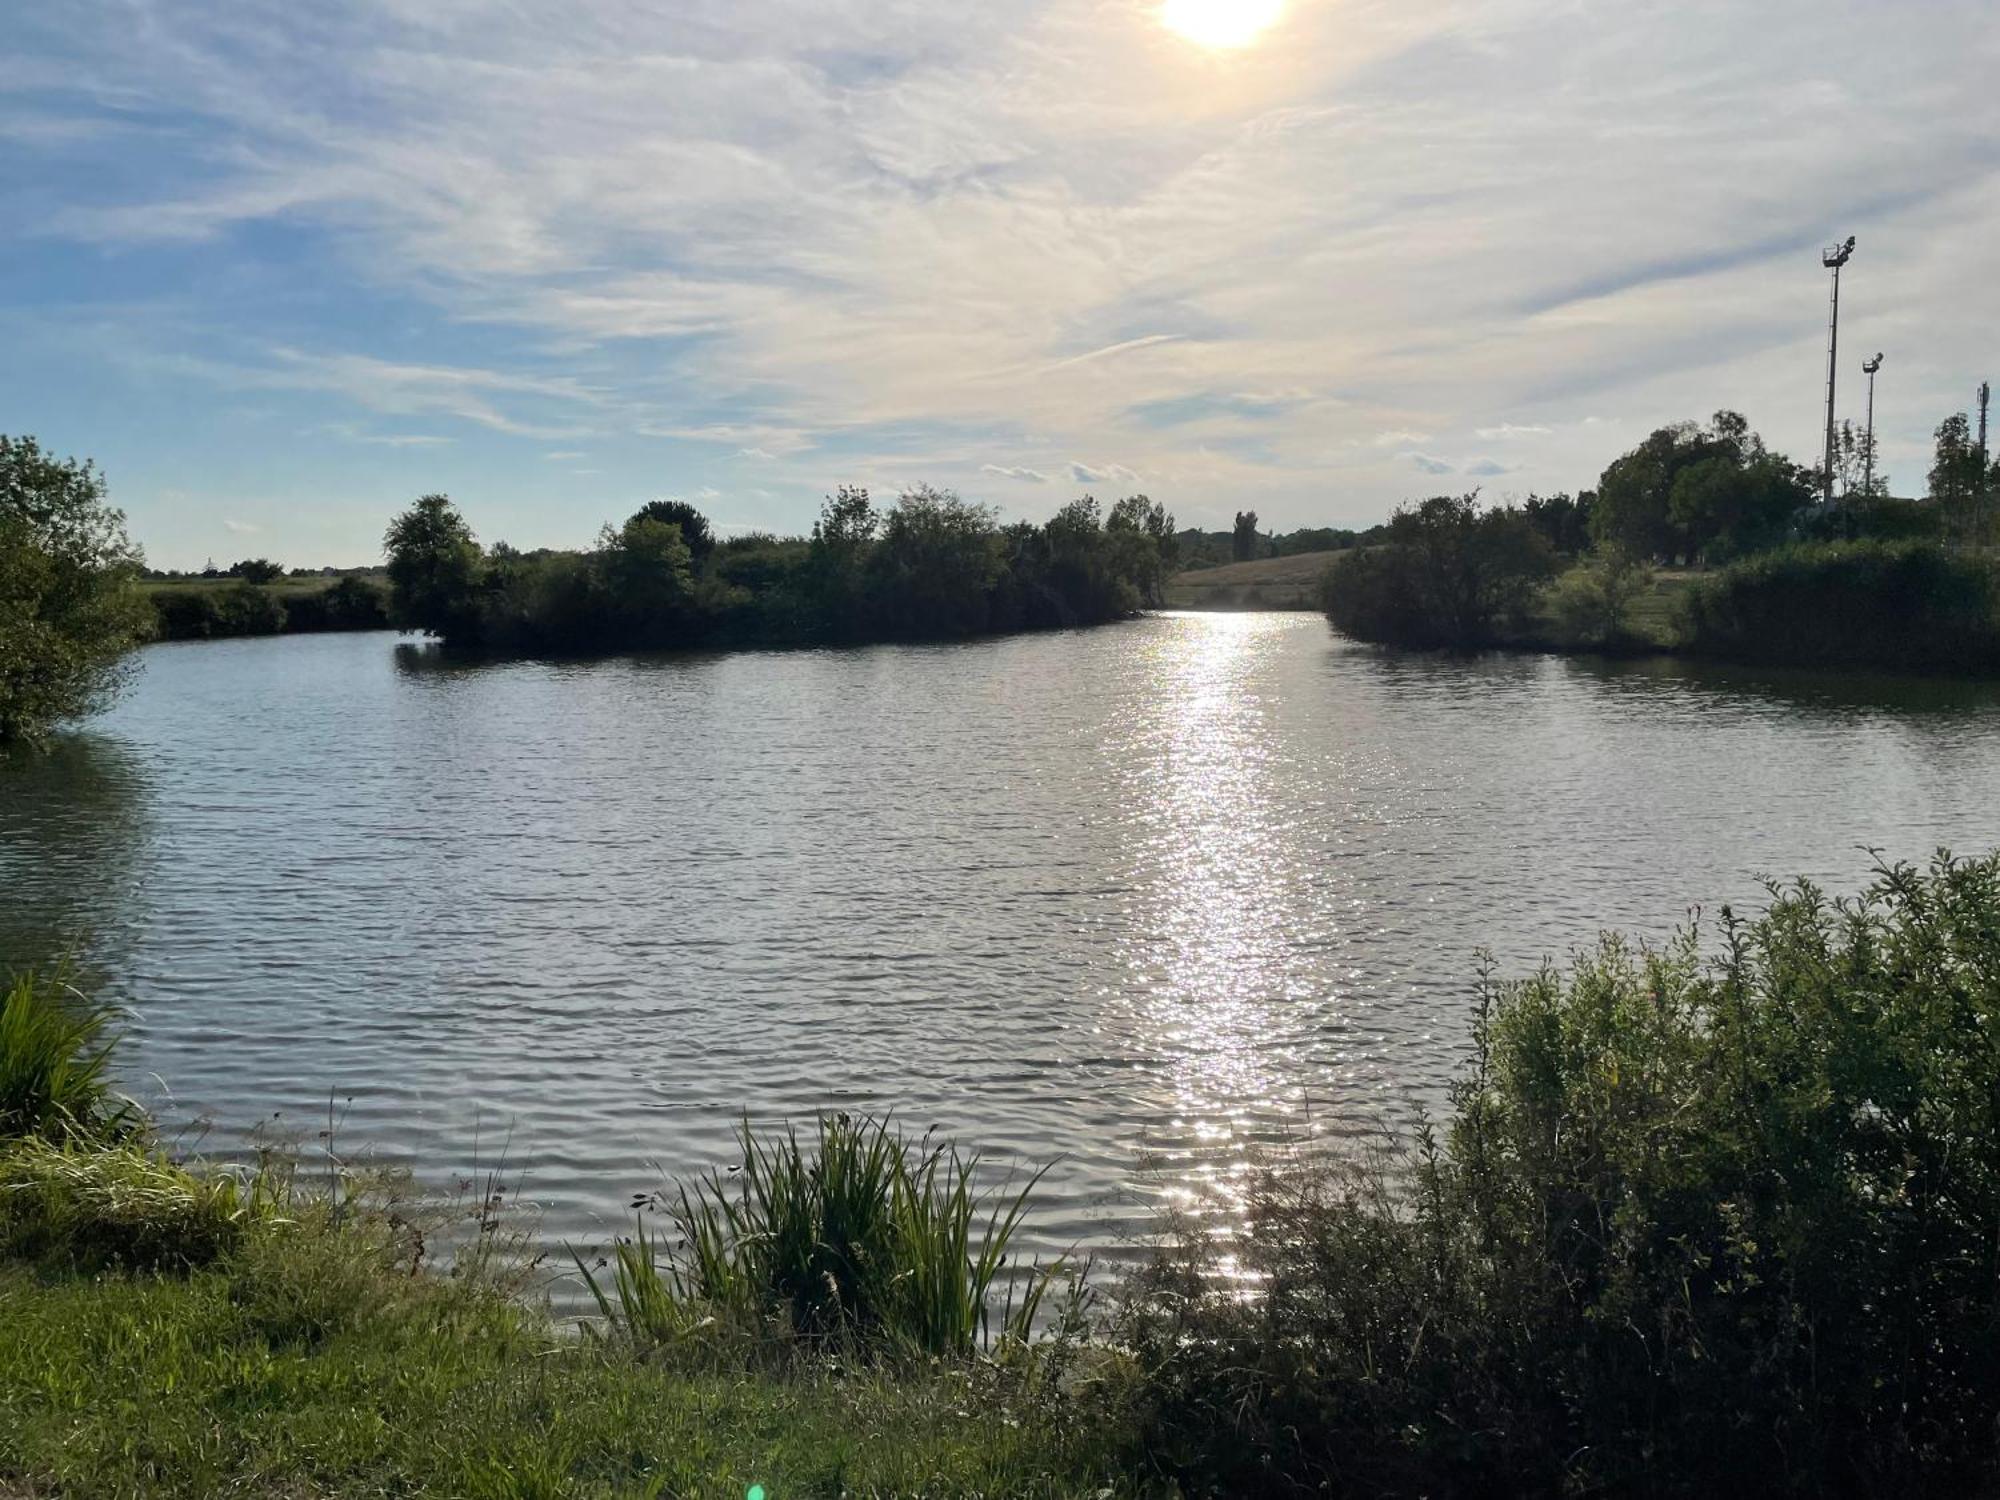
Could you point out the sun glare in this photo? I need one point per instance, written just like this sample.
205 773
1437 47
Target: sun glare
1220 23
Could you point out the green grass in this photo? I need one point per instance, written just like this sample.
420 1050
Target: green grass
283 587
184 1386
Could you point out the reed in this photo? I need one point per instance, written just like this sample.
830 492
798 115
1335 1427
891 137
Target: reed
865 1238
55 1061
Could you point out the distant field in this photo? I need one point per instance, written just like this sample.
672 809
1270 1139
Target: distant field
1268 583
283 587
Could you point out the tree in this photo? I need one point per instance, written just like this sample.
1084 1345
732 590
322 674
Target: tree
693 524
1958 480
1741 497
649 572
434 570
70 608
1856 463
1148 544
937 561
1563 522
1243 544
1449 575
257 570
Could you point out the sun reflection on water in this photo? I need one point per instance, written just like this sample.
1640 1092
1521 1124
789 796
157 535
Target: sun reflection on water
1217 870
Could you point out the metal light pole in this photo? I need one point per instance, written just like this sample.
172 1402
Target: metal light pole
1869 368
1833 260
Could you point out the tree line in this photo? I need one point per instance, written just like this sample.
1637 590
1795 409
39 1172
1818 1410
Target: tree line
1869 579
929 566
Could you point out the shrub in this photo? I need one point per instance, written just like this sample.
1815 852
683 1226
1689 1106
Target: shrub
1699 1225
54 1063
1589 604
1884 604
872 1239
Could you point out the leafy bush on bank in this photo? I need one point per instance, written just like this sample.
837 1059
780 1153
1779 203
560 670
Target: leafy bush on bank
1449 574
1893 605
1724 1225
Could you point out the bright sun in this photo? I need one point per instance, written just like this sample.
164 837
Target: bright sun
1220 23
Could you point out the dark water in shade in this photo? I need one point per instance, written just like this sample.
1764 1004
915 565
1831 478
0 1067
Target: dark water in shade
1142 898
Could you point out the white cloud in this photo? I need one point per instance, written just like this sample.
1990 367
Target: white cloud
798 229
1025 475
1084 473
1486 468
240 528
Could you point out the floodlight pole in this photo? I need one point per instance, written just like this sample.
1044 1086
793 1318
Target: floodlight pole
1833 260
1869 368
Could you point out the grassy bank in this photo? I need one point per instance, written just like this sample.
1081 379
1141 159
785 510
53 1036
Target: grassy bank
205 609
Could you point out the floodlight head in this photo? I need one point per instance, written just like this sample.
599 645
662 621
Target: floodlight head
1870 366
1838 256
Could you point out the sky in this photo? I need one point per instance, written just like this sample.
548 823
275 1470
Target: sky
281 268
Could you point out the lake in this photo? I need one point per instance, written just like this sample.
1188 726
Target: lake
1145 900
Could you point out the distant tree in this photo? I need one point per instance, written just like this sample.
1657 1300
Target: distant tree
1243 542
1590 603
434 570
1958 481
937 560
70 608
693 524
1450 574
1562 520
257 570
1688 491
1150 547
1857 467
649 577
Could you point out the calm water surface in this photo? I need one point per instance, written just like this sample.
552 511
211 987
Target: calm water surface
1145 898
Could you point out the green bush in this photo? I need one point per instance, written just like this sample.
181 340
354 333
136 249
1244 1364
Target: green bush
54 1063
871 1239
1894 605
1719 1225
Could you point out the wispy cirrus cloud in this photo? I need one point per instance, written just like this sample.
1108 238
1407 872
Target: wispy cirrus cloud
819 236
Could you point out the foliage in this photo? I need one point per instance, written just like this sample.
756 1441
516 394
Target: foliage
1449 575
434 567
1698 1226
1864 518
872 1240
1243 541
257 570
694 528
1961 486
1562 520
1591 603
69 605
349 603
55 1061
1691 493
1914 605
930 566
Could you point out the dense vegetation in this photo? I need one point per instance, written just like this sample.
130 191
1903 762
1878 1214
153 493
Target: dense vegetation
1868 580
1716 1226
930 566
212 611
1890 605
69 603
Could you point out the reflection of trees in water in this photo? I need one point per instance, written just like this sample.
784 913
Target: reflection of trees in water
73 827
1813 692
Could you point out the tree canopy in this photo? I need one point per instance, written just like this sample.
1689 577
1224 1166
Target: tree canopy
70 608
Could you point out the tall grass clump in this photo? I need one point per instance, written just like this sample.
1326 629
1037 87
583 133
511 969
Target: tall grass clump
54 1062
1889 604
864 1239
1700 1223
